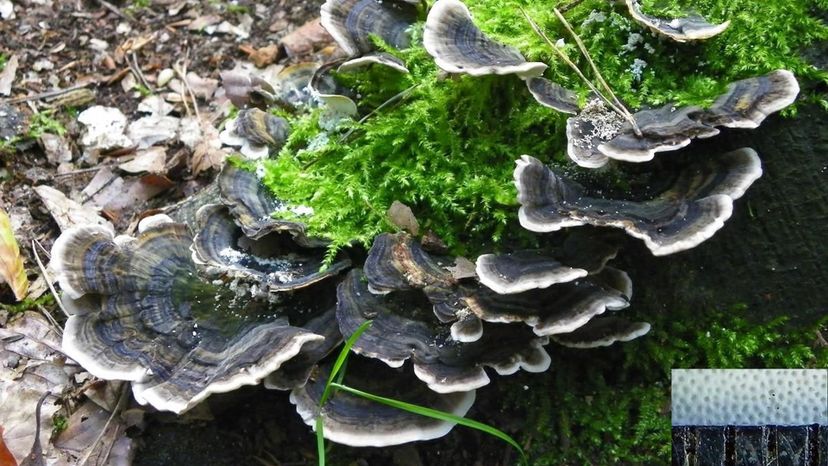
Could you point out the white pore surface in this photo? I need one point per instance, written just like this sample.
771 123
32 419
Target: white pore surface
754 397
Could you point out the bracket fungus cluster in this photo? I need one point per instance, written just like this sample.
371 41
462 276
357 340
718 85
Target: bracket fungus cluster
597 134
230 295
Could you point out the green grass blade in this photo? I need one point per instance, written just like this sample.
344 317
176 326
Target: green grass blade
320 441
340 360
436 414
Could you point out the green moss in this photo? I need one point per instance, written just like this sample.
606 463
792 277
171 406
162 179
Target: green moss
611 406
46 301
448 148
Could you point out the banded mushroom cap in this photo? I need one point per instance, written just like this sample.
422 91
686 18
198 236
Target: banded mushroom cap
745 105
397 261
404 328
356 421
374 58
273 262
252 206
580 255
353 22
291 84
255 132
594 125
748 102
141 313
458 46
557 309
663 129
688 28
691 211
296 371
603 331
331 95
553 95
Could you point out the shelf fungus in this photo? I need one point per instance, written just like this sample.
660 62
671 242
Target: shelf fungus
603 331
253 206
273 262
140 312
691 211
352 23
405 328
459 46
552 95
255 132
324 88
684 29
356 421
745 104
296 371
519 271
593 126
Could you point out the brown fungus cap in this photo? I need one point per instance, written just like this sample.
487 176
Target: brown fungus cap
553 95
405 328
141 313
253 206
352 420
458 46
296 371
556 309
273 262
603 331
353 22
684 29
697 205
745 105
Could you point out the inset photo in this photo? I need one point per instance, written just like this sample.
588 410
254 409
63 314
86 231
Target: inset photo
750 416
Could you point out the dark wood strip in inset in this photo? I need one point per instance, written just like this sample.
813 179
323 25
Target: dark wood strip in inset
750 445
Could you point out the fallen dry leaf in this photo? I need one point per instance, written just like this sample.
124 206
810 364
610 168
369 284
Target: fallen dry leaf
151 160
11 263
306 38
263 56
402 217
462 268
32 365
6 458
208 153
7 76
68 213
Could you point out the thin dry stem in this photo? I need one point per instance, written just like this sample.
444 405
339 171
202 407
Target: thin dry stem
569 62
625 113
47 278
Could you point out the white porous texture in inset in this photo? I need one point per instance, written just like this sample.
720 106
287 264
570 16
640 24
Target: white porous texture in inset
749 397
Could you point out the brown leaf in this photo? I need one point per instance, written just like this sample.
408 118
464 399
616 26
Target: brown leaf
402 216
11 263
306 38
208 153
6 458
263 56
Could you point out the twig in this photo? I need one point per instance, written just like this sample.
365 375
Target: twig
139 73
181 71
116 10
626 113
51 319
115 410
392 100
570 5
46 95
569 62
47 278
